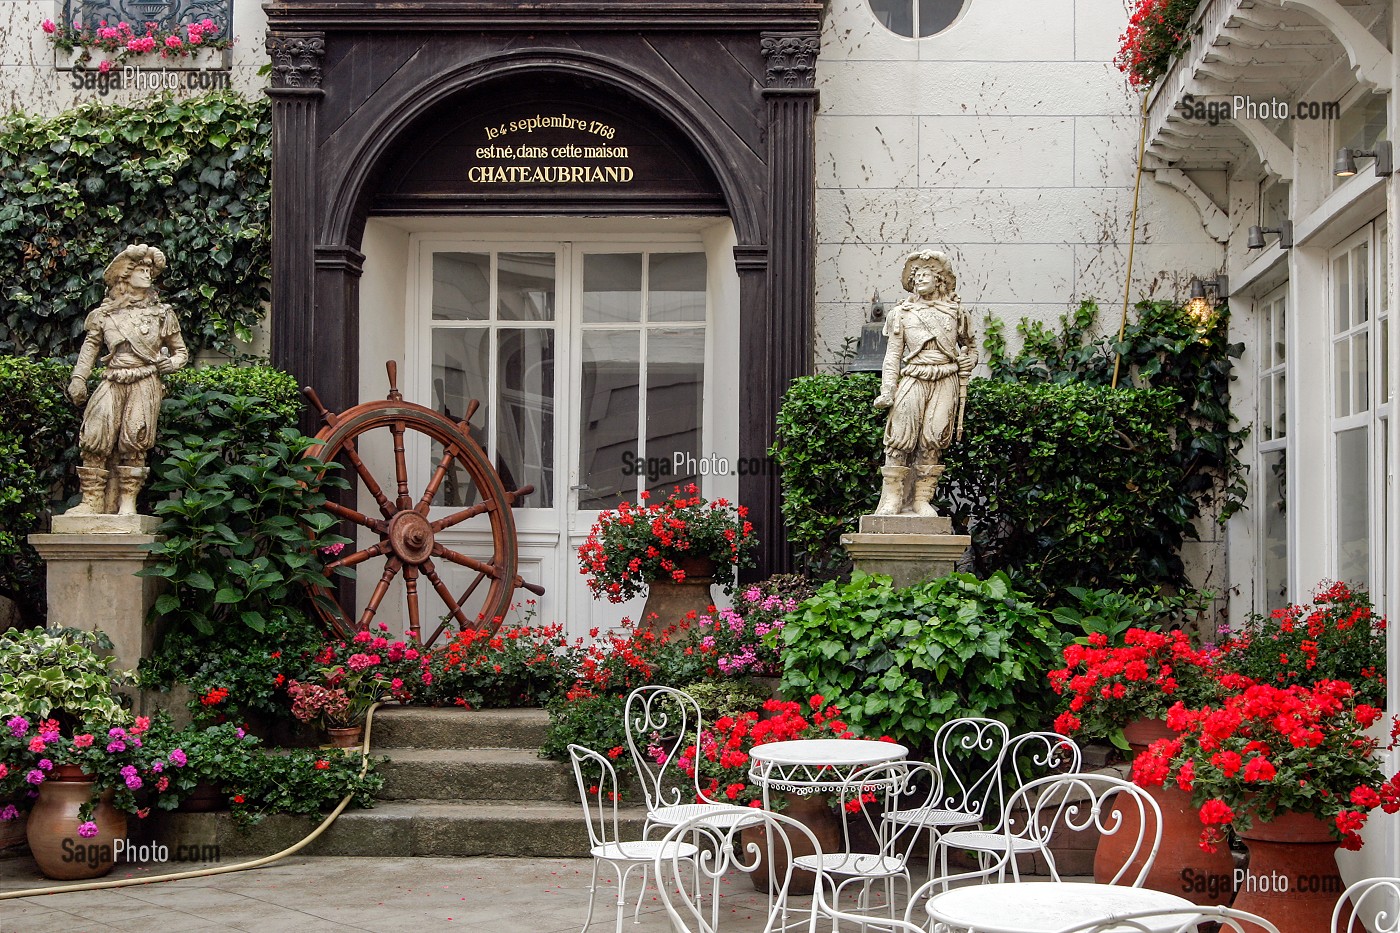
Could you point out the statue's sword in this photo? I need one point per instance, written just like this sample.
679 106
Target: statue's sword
962 403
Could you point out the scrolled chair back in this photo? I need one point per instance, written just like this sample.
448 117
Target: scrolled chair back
1373 903
1097 802
969 754
770 842
663 724
1226 919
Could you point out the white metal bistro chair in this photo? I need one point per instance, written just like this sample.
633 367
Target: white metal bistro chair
866 800
1227 920
605 842
1029 756
968 753
779 838
663 724
1374 902
1068 803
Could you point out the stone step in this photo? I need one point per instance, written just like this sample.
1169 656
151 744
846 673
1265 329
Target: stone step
474 774
425 727
427 828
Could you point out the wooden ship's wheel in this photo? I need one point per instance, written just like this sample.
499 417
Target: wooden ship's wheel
408 539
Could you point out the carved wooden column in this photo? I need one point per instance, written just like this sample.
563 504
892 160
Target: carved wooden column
792 102
756 488
296 95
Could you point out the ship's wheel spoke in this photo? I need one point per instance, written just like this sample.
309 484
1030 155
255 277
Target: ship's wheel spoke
359 518
481 566
453 610
448 455
410 582
359 557
456 518
401 466
371 484
391 569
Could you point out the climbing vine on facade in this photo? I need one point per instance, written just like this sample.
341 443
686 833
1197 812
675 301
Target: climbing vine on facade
190 176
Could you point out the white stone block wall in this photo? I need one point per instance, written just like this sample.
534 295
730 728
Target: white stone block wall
30 82
1010 142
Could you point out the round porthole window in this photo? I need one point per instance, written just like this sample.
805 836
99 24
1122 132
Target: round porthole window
916 18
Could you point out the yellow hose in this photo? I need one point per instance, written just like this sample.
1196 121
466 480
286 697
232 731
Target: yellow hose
222 869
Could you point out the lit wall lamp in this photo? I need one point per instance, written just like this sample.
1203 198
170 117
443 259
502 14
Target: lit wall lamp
1284 231
1200 309
1345 166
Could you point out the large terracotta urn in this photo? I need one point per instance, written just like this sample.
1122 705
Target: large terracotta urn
1292 877
812 811
670 603
1181 867
59 849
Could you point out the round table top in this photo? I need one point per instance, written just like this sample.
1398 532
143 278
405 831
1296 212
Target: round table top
1045 907
833 752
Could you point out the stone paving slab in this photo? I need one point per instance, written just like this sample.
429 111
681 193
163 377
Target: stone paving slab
398 895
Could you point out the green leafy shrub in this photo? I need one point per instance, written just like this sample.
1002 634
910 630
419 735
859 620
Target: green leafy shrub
240 521
1112 612
830 474
901 662
300 782
63 675
190 176
1069 485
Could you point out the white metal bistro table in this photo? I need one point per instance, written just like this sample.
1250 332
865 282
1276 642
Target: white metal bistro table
1044 906
813 766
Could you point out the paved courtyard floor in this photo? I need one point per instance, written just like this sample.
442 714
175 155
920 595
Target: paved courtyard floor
306 895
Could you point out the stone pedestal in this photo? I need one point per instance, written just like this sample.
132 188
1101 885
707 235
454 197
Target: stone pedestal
92 582
907 548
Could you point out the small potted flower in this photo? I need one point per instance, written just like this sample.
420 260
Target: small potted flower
672 550
747 638
342 692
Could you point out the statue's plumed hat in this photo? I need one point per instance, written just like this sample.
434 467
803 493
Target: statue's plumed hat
118 269
931 258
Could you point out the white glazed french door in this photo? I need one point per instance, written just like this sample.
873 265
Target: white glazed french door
593 364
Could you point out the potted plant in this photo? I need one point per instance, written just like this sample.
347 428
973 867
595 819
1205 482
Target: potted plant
1122 693
1293 771
344 689
673 550
747 638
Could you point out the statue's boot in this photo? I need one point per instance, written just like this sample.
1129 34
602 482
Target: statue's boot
924 485
129 483
892 494
93 483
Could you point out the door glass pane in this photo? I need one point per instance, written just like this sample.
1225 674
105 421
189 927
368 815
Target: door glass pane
1266 407
1281 331
1280 405
1342 357
676 287
1361 310
1353 509
1341 294
612 288
525 438
1384 352
461 286
610 378
675 393
525 286
1275 530
1361 358
461 369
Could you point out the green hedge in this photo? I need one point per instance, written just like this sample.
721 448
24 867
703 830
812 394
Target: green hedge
1063 485
189 176
39 443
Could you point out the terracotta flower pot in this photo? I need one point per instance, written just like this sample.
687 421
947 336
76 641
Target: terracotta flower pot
11 831
204 798
1141 733
670 603
60 851
347 737
812 811
1181 867
1292 876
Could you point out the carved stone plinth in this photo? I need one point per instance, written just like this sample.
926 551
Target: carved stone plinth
907 548
92 584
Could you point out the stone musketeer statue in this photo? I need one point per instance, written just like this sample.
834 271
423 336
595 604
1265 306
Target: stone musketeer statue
143 341
930 356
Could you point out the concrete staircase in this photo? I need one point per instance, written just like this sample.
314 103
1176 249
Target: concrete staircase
457 783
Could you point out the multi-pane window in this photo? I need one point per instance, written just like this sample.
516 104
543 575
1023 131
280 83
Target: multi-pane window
1360 409
1272 427
168 15
916 18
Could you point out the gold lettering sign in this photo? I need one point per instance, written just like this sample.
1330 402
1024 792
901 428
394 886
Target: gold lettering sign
511 157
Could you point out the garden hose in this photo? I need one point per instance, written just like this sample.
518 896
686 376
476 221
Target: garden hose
222 869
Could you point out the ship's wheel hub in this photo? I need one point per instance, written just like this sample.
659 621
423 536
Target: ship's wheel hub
411 537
